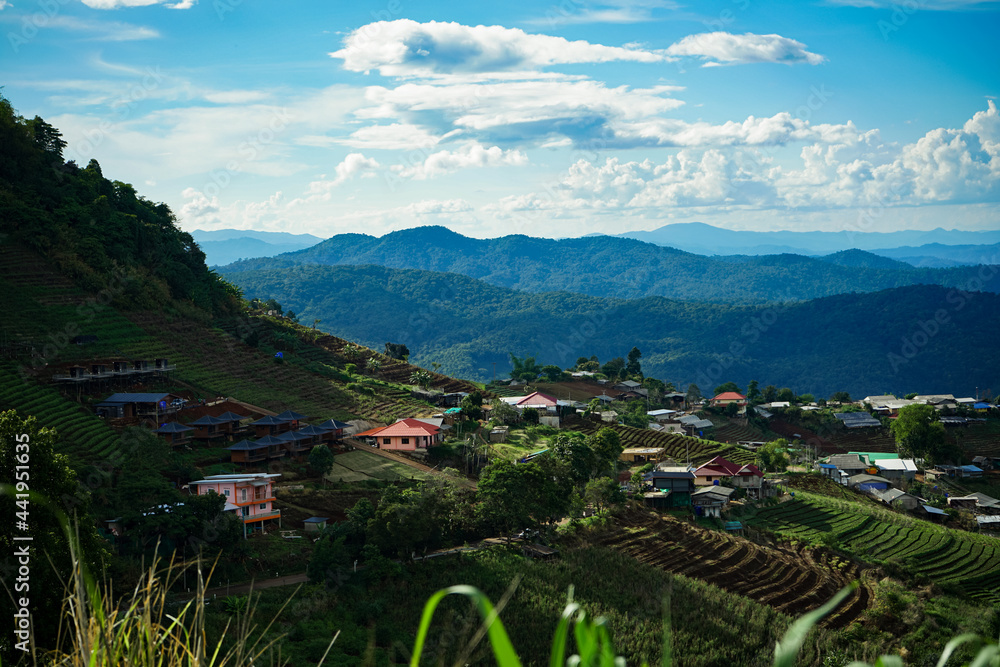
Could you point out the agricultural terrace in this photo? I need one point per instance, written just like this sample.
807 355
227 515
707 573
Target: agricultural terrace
678 447
792 580
969 561
364 466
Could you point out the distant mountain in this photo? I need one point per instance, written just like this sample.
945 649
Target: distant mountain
940 255
705 239
866 260
225 246
917 338
608 266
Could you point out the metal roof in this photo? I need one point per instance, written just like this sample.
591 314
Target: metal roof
173 427
133 398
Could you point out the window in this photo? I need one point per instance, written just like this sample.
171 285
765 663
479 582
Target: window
263 506
243 495
225 492
406 441
245 511
386 441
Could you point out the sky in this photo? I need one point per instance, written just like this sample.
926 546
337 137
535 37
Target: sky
555 120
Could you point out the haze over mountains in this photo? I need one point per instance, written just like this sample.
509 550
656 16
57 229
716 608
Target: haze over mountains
224 246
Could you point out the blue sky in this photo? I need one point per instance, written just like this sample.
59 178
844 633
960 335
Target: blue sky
556 119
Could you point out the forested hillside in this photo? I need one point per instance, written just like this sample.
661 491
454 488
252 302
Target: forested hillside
926 338
98 232
617 267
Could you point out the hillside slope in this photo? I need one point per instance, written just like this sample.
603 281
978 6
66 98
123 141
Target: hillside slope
613 267
862 343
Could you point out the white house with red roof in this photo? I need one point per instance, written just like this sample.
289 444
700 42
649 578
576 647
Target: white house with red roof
537 400
406 435
741 476
727 397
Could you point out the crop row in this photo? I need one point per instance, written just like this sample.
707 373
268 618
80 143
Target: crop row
925 548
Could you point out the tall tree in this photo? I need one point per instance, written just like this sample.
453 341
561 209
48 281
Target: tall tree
633 367
919 433
727 386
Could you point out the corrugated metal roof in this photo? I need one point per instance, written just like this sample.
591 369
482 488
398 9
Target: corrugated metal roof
133 398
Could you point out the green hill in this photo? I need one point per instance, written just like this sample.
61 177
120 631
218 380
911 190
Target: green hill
609 266
861 343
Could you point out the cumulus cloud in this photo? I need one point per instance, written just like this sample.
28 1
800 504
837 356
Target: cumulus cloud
943 166
727 48
468 156
407 48
354 164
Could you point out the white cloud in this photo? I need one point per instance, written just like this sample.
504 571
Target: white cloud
408 48
4 4
727 48
402 136
943 166
468 156
116 4
353 164
615 11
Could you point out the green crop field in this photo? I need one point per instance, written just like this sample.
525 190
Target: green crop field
679 447
373 466
942 555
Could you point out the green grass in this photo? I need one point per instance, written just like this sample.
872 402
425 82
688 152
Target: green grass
373 466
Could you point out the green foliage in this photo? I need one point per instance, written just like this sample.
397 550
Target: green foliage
919 433
773 456
604 493
552 373
677 339
727 386
472 406
529 415
321 459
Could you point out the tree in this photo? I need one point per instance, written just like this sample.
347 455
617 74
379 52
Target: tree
732 409
806 398
577 454
530 415
524 369
770 394
397 351
614 368
603 493
773 457
607 447
753 393
919 433
786 395
472 406
504 493
633 367
841 397
552 372
351 351
321 460
49 476
373 366
421 378
693 394
503 413
728 386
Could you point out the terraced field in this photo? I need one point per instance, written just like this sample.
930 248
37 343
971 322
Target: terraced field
678 446
942 555
792 581
81 433
360 465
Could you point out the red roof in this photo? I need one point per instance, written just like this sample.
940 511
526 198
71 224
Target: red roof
370 432
537 398
725 467
730 396
409 427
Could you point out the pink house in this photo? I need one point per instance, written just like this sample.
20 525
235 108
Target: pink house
538 401
727 397
249 496
406 435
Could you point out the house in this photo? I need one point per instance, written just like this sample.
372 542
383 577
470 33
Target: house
876 401
270 426
405 435
248 452
969 471
642 454
983 462
834 473
537 400
986 504
988 523
138 405
660 415
296 443
627 385
857 420
710 501
898 498
315 524
939 401
745 476
499 434
897 469
677 481
174 433
931 513
868 483
963 503
727 397
249 496
848 463
211 428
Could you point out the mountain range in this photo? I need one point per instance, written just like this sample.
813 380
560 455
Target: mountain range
607 266
225 246
915 338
